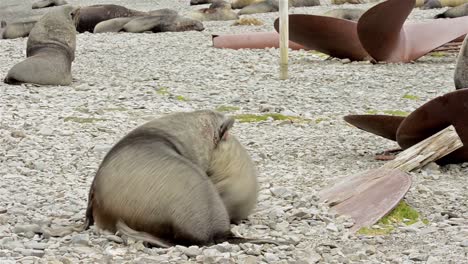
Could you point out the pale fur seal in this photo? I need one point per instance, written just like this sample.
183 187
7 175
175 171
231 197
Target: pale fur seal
345 13
239 4
50 50
457 11
235 177
461 69
153 183
260 7
218 10
90 16
16 30
163 23
112 25
48 3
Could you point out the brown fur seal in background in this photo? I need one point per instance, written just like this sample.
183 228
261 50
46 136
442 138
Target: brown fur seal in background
218 10
266 6
461 69
457 11
260 7
345 13
239 4
162 23
90 16
50 50
235 177
201 2
431 4
48 3
303 3
153 183
341 2
117 24
16 30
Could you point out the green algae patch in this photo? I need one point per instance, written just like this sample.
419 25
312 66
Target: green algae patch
410 97
163 91
319 54
438 54
381 231
372 112
226 108
180 98
402 213
318 120
83 120
396 112
249 118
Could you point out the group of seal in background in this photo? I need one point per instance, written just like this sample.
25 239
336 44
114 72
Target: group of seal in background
221 10
178 179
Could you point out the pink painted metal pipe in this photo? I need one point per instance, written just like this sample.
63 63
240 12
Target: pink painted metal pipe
254 40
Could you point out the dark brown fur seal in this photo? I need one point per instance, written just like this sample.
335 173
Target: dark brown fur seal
162 23
50 50
153 183
117 24
90 16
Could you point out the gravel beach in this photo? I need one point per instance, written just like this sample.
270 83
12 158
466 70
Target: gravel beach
53 138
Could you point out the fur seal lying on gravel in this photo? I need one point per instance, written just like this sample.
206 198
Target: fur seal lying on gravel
16 30
201 2
345 13
153 184
239 4
90 16
117 24
162 23
48 3
50 50
112 25
341 2
219 10
266 6
260 7
457 11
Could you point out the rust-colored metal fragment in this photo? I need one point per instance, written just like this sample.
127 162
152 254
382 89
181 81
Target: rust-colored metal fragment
382 125
385 36
435 115
368 196
257 40
329 35
380 30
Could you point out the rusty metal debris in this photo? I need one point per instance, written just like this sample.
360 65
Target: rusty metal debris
381 34
434 116
425 121
382 125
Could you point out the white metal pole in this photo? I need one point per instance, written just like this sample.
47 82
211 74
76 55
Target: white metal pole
284 38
